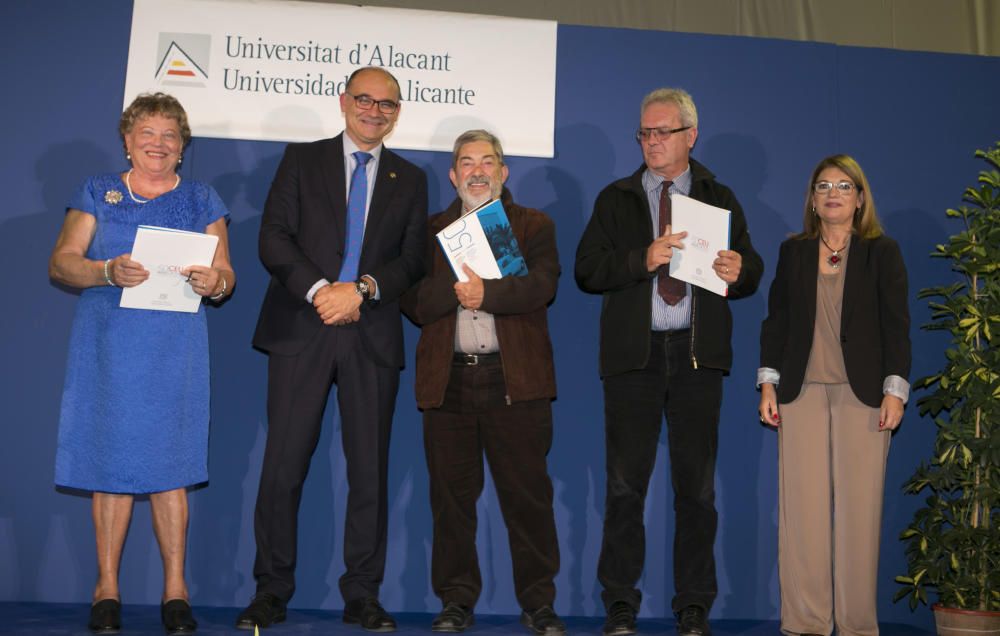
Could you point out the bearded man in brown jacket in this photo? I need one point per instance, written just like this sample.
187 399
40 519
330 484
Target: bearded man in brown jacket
485 381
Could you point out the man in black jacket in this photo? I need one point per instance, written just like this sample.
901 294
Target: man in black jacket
665 346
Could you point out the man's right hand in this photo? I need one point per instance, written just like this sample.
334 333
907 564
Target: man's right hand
337 303
661 250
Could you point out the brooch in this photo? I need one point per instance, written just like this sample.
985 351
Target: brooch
392 175
112 197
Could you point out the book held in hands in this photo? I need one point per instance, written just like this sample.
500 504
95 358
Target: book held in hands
484 240
164 252
708 233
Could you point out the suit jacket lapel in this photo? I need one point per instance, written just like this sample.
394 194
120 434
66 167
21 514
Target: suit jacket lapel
809 268
336 189
385 183
857 261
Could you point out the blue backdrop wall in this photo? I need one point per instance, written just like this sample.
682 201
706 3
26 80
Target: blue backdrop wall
769 110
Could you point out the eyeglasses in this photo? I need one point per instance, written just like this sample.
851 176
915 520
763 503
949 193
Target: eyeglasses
656 134
365 102
826 187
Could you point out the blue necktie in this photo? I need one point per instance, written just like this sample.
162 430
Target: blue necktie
356 201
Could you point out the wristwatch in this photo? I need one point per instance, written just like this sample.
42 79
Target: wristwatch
363 289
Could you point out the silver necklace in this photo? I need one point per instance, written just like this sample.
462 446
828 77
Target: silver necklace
131 195
834 259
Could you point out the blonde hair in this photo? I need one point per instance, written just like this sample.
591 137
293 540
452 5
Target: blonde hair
865 223
677 96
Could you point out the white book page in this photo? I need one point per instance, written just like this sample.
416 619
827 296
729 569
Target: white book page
164 252
708 232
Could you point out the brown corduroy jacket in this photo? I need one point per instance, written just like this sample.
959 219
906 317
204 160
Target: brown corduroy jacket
518 304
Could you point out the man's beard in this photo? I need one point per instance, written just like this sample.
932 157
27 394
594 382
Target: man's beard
474 201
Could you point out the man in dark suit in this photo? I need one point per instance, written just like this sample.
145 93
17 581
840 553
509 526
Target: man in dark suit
665 346
343 236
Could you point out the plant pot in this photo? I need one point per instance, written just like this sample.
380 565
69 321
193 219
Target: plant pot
959 622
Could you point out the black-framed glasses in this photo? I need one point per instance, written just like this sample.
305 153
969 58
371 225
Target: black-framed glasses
826 187
656 134
365 102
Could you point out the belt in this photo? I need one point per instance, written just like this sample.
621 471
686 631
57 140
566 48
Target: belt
475 359
671 334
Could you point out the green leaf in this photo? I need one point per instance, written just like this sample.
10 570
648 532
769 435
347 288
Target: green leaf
960 483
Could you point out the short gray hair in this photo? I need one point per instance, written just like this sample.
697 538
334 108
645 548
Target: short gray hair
478 134
677 96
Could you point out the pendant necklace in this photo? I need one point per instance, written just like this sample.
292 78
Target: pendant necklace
835 259
131 195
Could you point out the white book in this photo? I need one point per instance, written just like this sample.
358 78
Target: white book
164 252
708 232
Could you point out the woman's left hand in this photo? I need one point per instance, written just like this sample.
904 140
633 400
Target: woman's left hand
891 413
205 281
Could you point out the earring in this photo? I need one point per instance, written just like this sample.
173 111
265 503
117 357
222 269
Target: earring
180 159
128 156
814 209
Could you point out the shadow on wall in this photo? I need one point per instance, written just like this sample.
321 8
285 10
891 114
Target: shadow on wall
747 540
576 462
222 542
917 231
41 546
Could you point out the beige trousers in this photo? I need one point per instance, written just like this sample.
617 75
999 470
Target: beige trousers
831 471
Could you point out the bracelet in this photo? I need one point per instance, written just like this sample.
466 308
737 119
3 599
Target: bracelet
221 293
107 273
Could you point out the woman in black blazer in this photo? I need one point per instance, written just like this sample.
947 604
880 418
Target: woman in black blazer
835 355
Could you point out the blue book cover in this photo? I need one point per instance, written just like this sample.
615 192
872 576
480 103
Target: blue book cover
484 240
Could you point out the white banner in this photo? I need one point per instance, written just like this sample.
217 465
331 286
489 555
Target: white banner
274 71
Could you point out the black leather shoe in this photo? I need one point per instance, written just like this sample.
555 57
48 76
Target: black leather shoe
543 621
453 618
693 621
620 621
368 613
177 618
263 611
105 617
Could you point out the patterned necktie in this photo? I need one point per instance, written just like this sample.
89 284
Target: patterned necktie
356 201
670 289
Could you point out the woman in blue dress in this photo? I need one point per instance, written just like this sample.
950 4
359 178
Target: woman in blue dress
135 406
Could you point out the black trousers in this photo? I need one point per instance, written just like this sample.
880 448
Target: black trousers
297 391
475 419
634 406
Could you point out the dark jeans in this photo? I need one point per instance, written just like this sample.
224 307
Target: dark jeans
475 419
634 406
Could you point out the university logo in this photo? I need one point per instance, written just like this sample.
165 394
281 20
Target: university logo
182 59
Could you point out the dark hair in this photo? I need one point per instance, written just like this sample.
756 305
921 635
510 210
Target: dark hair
478 134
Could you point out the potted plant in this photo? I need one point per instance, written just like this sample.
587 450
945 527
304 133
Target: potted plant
953 542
